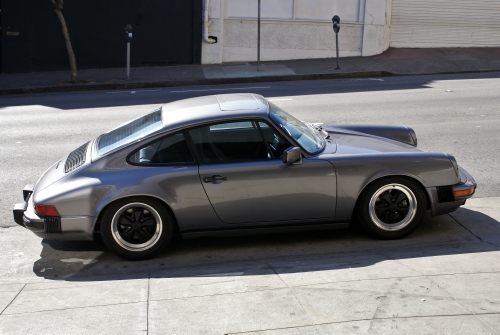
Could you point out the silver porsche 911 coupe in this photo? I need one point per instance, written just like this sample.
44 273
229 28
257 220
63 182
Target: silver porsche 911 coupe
237 164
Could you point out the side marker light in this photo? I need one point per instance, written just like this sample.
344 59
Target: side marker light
464 193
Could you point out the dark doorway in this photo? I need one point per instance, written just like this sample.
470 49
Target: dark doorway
165 32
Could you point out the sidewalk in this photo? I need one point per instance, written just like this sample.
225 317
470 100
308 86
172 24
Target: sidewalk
391 62
443 279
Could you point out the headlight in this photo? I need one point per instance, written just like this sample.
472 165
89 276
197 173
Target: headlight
453 162
413 135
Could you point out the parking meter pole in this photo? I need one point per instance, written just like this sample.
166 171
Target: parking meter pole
128 38
336 29
337 44
128 60
258 36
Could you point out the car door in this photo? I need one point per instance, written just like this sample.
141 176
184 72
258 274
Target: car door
246 181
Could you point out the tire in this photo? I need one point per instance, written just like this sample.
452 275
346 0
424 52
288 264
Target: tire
136 228
392 208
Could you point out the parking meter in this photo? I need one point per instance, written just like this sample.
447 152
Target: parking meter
336 24
336 29
128 33
128 38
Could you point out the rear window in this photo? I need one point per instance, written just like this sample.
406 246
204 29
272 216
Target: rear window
129 132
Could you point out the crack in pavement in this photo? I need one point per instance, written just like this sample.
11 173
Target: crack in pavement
80 307
298 301
3 310
479 238
358 320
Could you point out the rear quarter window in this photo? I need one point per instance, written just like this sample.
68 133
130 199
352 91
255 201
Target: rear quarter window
172 149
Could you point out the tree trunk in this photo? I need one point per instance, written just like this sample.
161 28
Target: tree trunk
71 54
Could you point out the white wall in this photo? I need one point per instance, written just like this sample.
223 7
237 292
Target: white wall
295 29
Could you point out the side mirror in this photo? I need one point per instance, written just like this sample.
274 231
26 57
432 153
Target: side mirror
292 155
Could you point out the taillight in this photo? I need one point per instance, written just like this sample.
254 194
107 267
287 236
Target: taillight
46 210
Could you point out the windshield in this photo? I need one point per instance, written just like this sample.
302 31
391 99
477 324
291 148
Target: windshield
129 132
305 136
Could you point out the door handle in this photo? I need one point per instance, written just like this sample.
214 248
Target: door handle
214 178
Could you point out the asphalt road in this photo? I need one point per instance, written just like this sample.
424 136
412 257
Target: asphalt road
458 114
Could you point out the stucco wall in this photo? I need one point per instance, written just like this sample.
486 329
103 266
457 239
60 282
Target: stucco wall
287 40
294 29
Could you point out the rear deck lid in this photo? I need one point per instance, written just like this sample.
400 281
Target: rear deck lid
77 158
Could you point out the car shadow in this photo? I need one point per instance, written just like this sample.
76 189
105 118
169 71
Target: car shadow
279 253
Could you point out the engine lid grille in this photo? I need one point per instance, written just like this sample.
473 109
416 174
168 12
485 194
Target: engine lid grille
76 158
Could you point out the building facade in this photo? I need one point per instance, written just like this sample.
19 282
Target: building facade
295 29
168 32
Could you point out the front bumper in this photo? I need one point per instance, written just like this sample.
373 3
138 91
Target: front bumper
75 228
443 199
467 182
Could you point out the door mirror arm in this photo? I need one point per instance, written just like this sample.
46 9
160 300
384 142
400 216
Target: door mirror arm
292 155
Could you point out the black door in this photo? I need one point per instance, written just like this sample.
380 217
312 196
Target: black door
166 32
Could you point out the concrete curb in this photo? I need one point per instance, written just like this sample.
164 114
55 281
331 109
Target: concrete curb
216 81
219 81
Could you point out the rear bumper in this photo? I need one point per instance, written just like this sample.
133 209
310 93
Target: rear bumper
19 212
74 228
443 199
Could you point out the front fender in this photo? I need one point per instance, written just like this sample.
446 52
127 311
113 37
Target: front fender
356 172
399 133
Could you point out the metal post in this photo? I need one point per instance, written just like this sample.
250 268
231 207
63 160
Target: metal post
128 38
258 37
337 42
128 60
336 29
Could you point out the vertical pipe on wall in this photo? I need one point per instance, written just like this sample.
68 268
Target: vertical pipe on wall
258 37
206 23
362 19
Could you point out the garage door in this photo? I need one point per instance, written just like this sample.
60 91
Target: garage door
445 23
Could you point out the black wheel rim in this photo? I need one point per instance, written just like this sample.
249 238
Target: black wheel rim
136 226
392 207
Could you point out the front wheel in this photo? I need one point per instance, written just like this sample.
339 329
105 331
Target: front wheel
392 208
136 228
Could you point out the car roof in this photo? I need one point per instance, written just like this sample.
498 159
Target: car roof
212 108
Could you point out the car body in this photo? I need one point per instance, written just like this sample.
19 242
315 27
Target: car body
237 164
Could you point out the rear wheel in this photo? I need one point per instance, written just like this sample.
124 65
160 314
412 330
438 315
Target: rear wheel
136 228
392 208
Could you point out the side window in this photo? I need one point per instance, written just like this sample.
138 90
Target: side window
169 150
230 142
277 144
